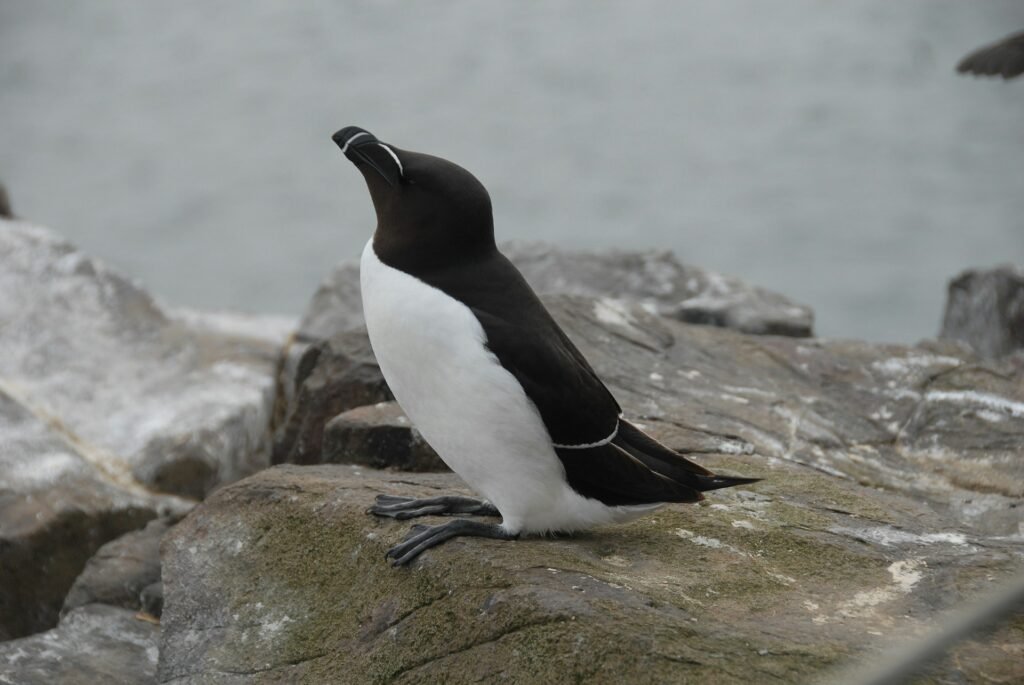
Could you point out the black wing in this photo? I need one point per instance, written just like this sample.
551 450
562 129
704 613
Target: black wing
576 407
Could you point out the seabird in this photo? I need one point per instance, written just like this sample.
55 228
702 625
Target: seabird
486 374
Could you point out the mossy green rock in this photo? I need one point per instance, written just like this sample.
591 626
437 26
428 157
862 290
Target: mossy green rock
282 578
893 486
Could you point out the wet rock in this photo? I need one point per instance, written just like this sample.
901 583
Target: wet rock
182 403
120 570
332 376
780 582
59 502
653 278
985 309
379 436
93 644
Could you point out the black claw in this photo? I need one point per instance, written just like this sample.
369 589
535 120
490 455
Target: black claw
392 499
421 537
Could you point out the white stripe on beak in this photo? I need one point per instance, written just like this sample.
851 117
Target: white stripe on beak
349 141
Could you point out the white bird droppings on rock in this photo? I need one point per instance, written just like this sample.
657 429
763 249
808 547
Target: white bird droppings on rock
613 312
988 400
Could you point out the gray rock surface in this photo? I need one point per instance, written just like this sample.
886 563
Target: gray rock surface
893 490
59 502
654 278
380 436
336 306
179 405
152 599
93 644
318 382
281 578
657 280
120 570
985 309
105 399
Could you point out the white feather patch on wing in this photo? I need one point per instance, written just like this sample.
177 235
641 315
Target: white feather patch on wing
589 445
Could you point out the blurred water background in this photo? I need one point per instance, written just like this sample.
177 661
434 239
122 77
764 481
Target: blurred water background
825 150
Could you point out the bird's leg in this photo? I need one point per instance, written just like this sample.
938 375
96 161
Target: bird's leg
422 537
407 507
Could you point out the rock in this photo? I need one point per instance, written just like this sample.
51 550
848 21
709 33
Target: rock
332 376
281 578
893 489
935 425
121 570
59 502
380 436
182 403
152 599
105 396
267 330
985 309
653 278
93 644
336 305
656 279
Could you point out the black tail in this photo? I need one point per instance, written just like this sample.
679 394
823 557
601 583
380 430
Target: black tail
669 463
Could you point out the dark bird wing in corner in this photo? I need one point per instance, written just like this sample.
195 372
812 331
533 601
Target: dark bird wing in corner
5 204
1005 58
575 405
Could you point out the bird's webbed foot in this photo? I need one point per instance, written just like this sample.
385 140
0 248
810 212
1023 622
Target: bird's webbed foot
396 507
422 537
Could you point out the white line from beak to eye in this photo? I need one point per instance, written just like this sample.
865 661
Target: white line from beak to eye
401 171
349 141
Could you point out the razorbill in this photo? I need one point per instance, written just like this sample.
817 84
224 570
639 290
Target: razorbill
486 375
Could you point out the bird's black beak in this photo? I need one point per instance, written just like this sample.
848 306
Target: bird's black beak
362 147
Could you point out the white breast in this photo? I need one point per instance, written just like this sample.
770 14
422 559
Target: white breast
473 412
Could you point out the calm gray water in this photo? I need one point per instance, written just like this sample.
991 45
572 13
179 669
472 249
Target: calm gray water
825 150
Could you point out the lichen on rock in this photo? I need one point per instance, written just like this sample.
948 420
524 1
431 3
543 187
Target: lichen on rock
866 526
281 577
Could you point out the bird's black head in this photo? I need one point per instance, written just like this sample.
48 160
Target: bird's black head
431 213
